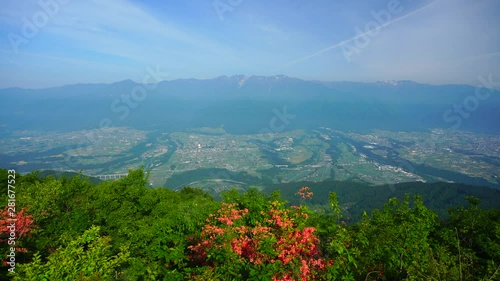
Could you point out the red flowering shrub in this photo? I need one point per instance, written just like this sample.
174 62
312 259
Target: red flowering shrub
278 245
12 227
21 221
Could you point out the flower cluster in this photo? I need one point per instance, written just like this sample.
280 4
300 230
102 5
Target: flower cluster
23 223
276 239
304 192
215 227
23 226
227 214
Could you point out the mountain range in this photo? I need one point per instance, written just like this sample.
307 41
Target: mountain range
243 104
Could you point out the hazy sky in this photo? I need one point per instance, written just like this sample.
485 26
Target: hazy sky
56 42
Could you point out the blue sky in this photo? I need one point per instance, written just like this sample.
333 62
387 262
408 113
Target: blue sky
93 41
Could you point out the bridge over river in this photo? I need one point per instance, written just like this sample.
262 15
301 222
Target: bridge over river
109 177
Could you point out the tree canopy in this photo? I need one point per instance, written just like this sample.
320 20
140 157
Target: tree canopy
73 229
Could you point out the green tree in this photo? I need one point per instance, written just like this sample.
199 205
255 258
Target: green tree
398 240
88 257
472 238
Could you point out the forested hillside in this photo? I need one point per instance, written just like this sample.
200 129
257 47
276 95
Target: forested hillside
73 229
356 198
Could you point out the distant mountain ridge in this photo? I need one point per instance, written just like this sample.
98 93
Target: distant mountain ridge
240 79
246 103
264 88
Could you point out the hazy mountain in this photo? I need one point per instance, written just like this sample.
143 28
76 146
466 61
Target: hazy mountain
246 104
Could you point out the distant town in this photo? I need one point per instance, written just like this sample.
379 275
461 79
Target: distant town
217 158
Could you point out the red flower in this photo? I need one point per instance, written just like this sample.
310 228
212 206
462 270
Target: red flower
292 246
304 192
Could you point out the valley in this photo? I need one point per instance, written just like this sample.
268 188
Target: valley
215 160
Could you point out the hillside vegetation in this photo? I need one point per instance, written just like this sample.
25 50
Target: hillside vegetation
73 229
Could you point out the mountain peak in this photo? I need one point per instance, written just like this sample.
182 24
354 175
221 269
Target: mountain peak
388 83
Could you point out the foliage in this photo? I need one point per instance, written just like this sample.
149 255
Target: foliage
88 257
398 239
276 246
472 237
13 231
22 224
357 197
73 229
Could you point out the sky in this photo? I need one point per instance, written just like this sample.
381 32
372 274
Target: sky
47 43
